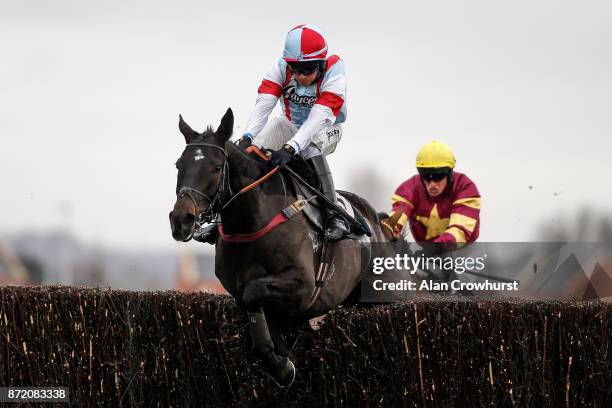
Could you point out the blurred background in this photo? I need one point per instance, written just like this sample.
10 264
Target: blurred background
91 93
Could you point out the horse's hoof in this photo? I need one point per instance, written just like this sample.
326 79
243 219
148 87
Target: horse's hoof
286 374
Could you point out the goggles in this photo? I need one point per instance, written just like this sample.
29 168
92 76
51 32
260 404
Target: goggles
303 68
433 177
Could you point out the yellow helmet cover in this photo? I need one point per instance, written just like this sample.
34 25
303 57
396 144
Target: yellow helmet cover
435 155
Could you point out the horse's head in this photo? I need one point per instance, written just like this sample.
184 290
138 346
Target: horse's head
202 169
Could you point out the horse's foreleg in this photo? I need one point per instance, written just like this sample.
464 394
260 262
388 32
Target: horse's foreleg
287 290
280 367
277 338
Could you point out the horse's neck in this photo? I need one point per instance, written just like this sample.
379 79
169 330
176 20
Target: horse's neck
255 208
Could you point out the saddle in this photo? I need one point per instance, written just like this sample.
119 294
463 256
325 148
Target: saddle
313 212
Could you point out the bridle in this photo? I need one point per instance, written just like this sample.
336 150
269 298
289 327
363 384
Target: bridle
213 202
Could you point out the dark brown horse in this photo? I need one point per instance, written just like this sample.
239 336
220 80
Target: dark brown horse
273 277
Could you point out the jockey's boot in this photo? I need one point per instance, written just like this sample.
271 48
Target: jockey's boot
336 227
207 234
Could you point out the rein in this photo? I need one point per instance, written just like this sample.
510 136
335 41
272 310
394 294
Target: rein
254 184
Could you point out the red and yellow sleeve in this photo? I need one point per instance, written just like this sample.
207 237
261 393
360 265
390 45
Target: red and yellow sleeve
402 204
463 226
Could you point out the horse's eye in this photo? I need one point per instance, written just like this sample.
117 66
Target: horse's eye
218 169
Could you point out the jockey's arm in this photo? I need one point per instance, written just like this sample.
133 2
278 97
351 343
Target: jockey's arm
259 116
402 207
267 95
465 215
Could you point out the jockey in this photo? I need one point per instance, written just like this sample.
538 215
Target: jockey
439 204
312 89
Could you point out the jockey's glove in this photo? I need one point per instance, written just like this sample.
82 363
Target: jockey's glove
390 226
388 229
245 142
282 156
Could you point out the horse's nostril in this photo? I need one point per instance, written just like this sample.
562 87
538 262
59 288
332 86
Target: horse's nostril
188 219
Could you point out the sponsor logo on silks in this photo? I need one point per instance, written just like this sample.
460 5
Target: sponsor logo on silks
300 100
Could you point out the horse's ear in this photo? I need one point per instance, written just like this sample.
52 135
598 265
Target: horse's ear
225 129
186 130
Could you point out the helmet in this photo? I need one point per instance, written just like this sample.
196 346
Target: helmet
435 155
305 43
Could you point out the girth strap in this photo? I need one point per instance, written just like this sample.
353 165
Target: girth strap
280 218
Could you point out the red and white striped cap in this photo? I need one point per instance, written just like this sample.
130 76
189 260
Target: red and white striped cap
305 43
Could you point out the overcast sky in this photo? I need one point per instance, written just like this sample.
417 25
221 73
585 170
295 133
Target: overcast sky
90 94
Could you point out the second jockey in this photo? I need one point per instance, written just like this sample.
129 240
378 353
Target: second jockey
439 204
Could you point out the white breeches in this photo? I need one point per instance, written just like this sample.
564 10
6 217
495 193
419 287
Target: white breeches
279 131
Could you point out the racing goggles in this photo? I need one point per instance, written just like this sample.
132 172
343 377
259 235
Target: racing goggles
303 68
434 175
